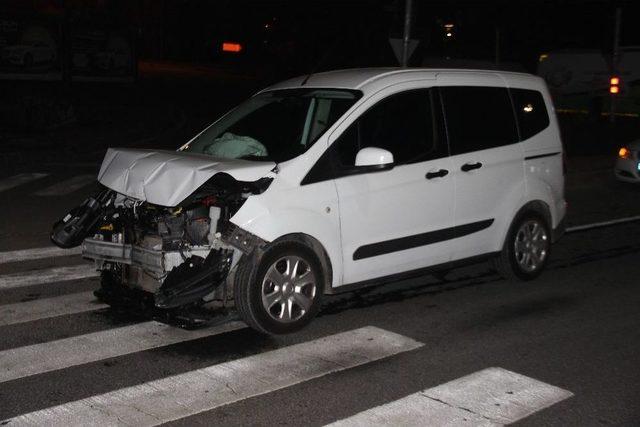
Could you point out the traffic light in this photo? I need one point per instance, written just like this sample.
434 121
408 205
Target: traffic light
614 85
448 31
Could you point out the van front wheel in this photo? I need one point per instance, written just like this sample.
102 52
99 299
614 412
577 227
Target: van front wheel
526 249
283 292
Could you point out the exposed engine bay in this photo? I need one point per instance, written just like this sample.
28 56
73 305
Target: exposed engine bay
171 260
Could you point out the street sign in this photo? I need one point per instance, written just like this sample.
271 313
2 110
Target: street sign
396 45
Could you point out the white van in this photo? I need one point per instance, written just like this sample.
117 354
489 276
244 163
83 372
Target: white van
329 183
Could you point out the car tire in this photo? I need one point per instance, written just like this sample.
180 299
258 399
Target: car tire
282 291
526 250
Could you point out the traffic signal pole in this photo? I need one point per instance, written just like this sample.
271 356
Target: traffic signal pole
615 59
407 33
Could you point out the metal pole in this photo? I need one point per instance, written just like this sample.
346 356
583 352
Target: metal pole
497 46
407 33
614 61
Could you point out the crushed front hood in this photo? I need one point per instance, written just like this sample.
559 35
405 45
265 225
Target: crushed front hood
166 178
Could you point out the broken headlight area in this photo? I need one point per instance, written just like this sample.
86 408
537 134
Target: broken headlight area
70 230
176 259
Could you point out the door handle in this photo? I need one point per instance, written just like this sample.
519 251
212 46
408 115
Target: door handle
437 174
470 166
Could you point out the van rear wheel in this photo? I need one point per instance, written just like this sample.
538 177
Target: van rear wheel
283 292
526 249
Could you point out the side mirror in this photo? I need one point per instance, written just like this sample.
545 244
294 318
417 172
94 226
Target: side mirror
374 158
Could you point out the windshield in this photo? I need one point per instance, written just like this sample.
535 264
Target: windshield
277 125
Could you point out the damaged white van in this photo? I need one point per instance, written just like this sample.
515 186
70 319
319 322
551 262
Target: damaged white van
328 183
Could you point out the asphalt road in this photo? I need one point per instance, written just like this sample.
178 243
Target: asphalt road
574 334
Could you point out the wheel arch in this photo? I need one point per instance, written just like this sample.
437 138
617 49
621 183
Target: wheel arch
538 207
319 250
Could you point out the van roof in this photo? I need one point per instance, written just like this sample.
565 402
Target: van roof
359 78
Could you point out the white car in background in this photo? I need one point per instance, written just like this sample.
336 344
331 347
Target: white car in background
627 166
330 183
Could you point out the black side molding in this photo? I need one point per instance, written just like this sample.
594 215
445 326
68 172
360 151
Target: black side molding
416 240
412 274
539 156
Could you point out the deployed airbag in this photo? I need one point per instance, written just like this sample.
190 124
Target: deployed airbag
231 146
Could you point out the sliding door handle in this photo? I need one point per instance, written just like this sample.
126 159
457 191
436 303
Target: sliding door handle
470 166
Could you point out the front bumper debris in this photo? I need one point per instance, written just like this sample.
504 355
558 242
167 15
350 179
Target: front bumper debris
178 278
155 261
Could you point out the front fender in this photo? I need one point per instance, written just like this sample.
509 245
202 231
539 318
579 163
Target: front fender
270 223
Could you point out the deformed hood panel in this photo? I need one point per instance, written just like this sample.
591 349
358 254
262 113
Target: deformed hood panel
166 178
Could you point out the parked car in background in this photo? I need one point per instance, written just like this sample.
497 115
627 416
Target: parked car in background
627 166
330 183
27 55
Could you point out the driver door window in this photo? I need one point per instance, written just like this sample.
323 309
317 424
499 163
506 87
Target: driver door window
408 124
403 124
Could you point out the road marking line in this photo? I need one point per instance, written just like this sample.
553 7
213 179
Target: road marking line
16 180
193 392
37 253
48 275
602 224
36 359
68 186
491 397
11 314
415 410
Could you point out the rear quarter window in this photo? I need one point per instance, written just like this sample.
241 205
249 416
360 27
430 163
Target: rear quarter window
531 112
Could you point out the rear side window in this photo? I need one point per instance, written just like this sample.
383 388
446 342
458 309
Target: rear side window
478 118
531 112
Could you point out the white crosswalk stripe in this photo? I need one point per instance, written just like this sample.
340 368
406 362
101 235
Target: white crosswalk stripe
53 355
37 253
182 395
491 397
68 186
20 179
22 312
47 275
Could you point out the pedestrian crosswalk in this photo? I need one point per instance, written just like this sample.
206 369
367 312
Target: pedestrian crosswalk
53 355
67 186
193 392
36 253
492 396
29 311
47 275
20 179
59 188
